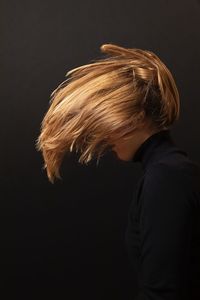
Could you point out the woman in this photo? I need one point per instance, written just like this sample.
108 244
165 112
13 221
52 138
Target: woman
127 102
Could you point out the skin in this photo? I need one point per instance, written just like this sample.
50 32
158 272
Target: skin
125 149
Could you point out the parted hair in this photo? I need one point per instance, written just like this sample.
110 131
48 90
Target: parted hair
103 101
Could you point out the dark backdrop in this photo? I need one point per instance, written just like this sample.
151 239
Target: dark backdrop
67 240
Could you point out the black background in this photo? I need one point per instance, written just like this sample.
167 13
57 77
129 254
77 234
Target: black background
66 240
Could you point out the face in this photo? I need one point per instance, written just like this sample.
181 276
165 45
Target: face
125 149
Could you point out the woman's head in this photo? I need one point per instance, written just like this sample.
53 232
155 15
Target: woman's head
105 101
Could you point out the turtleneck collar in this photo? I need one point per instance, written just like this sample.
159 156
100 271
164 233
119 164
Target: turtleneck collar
154 147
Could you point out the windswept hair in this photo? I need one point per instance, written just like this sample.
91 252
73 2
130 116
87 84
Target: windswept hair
106 100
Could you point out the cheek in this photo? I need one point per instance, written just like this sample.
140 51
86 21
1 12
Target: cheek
119 146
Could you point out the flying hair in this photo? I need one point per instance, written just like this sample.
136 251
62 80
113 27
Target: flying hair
105 100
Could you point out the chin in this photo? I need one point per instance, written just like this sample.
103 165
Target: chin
122 157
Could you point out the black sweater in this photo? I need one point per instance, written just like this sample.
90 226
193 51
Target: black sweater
163 230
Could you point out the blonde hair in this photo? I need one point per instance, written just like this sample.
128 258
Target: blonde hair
103 101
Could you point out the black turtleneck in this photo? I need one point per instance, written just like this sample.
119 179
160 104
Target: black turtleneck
163 230
154 147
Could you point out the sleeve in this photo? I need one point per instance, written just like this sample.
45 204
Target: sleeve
165 236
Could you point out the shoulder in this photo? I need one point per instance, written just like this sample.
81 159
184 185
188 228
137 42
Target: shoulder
159 177
161 172
177 165
164 183
185 173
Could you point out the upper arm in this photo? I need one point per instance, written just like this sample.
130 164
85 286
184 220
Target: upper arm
165 233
